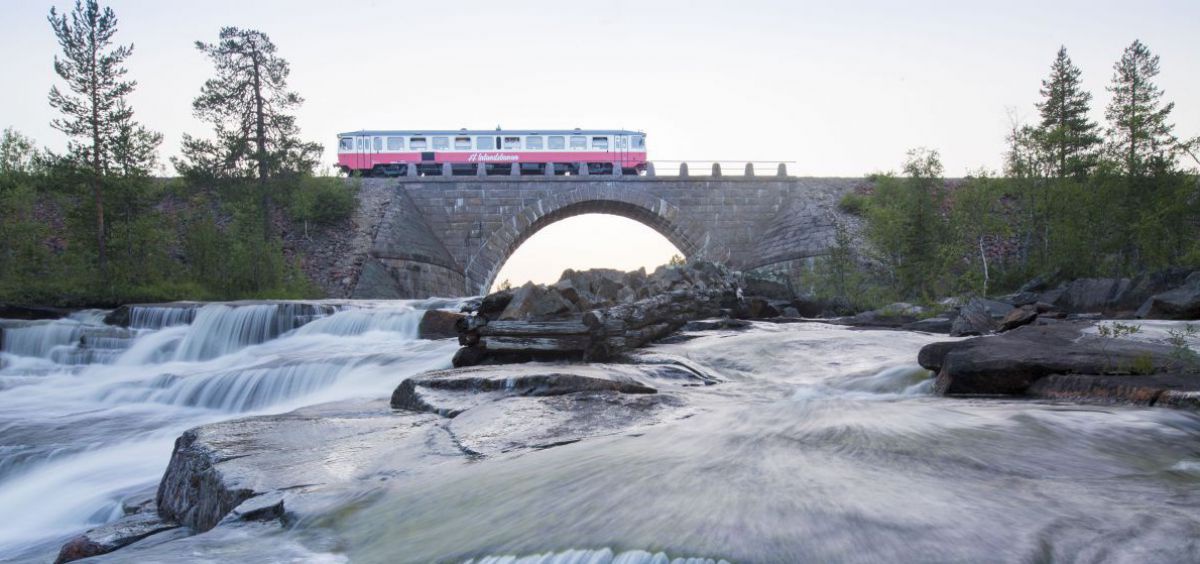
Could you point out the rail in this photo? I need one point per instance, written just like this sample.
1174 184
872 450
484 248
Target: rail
718 167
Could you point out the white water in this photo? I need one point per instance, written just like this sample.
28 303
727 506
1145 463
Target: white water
90 412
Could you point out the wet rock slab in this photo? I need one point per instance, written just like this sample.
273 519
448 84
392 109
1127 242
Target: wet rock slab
1060 361
226 468
450 392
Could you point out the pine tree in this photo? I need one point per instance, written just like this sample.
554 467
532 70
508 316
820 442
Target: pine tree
248 103
1138 126
95 112
1065 130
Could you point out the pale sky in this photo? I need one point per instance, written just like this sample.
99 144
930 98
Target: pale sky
842 89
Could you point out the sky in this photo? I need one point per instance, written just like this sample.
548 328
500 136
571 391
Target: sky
837 88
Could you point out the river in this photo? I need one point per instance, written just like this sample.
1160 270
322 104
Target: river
820 444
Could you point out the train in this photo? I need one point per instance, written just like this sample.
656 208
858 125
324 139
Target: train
499 151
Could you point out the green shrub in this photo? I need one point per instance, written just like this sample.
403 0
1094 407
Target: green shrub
323 200
854 203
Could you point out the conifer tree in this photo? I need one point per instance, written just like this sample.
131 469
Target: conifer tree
95 112
249 104
1065 130
1138 126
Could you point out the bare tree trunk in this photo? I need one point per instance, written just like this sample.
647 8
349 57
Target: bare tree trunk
97 168
983 258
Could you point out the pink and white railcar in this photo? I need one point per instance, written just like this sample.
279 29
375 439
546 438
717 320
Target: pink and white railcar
394 153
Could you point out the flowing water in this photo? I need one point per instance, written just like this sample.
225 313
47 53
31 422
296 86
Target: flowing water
821 444
89 412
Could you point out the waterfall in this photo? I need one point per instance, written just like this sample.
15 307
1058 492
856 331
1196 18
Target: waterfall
220 329
82 396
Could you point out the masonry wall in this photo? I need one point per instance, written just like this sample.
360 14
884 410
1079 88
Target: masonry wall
450 236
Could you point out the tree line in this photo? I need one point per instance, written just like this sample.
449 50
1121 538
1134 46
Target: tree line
1075 200
92 226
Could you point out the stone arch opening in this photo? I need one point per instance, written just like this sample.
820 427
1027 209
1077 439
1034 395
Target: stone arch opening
656 214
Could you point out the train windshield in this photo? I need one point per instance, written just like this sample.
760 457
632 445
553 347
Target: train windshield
639 142
346 144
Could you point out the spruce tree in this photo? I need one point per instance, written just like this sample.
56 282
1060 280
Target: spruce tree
95 112
1068 134
1138 126
249 104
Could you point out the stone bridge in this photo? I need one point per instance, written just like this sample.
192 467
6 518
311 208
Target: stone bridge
449 236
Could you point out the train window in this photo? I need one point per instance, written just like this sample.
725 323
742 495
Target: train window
639 142
441 143
485 143
362 143
378 143
395 143
600 143
557 142
621 142
533 142
512 142
578 142
417 143
462 143
346 144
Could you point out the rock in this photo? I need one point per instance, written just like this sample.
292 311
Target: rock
1009 363
757 308
450 392
438 324
892 315
717 324
492 304
766 288
941 325
790 311
1146 390
112 536
244 469
31 313
1181 303
979 316
1035 285
1023 315
1020 298
1092 295
533 301
810 306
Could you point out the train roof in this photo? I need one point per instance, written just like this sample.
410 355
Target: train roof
367 132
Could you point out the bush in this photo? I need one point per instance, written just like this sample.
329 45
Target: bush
854 203
323 201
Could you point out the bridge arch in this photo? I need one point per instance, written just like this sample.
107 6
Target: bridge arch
665 218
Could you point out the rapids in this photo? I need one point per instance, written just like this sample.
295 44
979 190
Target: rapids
89 412
819 444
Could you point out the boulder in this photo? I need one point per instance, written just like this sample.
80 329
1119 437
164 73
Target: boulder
1009 363
1181 303
31 313
1023 315
940 325
438 324
112 536
979 316
766 288
1088 295
533 301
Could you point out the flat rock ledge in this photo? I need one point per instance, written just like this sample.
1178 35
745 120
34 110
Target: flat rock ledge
1062 362
450 392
